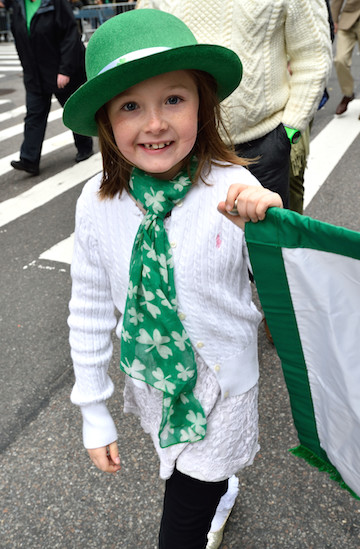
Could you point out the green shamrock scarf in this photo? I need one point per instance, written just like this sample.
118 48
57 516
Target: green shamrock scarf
154 345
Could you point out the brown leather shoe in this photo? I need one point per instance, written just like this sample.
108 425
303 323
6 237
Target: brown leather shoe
343 105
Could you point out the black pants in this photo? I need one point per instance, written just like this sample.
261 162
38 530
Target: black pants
272 168
189 507
37 110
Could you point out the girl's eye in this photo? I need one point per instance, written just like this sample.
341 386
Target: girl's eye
173 100
131 106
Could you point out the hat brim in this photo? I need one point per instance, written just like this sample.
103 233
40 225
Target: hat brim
222 63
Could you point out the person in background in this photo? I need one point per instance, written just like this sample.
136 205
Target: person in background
53 61
269 113
346 16
300 150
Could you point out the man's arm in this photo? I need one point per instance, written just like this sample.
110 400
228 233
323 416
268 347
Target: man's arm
309 49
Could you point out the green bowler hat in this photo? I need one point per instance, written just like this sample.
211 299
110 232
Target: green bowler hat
134 46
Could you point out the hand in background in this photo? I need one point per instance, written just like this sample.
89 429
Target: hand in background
62 81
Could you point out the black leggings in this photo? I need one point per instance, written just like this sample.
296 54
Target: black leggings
189 507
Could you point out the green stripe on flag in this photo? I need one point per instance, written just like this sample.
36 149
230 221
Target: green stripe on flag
265 240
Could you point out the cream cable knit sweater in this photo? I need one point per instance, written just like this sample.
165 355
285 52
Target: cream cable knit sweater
265 34
212 284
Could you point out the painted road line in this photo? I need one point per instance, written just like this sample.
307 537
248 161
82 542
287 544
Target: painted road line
14 113
61 252
48 189
19 128
49 146
7 62
3 68
328 147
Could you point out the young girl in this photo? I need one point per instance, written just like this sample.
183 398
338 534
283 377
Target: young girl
152 243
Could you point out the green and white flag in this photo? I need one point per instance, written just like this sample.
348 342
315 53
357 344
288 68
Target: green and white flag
307 274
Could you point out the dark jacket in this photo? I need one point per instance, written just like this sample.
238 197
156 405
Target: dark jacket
52 47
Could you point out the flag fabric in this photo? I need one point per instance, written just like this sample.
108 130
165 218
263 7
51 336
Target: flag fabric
307 274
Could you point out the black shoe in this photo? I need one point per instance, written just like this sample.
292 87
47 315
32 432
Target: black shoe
81 156
24 166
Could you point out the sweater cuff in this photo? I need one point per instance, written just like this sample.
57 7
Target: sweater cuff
98 426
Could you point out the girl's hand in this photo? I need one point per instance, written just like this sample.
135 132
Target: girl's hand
106 458
251 203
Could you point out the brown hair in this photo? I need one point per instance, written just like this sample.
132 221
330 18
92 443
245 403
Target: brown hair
209 147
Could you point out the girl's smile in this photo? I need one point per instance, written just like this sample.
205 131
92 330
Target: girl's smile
155 122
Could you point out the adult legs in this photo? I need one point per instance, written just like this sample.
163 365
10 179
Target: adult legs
37 111
345 44
83 143
189 507
273 164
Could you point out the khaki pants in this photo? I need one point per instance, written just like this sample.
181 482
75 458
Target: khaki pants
346 41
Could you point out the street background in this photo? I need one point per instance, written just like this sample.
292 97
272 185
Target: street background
51 494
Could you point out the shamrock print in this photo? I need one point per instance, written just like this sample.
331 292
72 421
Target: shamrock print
180 340
154 200
163 382
156 341
135 316
188 435
151 307
134 369
184 373
198 421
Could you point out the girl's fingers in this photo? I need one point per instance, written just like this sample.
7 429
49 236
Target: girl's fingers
251 203
106 458
113 454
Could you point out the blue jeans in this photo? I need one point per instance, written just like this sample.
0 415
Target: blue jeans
37 110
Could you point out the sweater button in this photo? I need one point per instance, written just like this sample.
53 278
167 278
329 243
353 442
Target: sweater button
182 316
217 367
179 204
226 394
173 244
199 345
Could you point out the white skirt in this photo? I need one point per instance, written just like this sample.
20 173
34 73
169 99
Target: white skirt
231 440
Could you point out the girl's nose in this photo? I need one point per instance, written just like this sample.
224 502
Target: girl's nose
155 122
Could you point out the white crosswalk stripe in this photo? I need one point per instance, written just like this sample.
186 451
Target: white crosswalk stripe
9 60
19 128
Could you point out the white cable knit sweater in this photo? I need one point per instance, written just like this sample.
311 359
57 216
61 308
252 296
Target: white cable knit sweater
265 34
212 285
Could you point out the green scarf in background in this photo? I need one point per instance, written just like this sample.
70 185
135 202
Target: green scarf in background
155 347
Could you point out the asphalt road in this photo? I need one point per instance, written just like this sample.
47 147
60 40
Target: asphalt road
51 495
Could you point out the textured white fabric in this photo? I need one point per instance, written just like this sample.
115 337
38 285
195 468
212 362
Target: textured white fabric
231 440
226 504
95 416
265 33
212 285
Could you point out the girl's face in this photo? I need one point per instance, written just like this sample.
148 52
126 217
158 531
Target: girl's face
155 122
